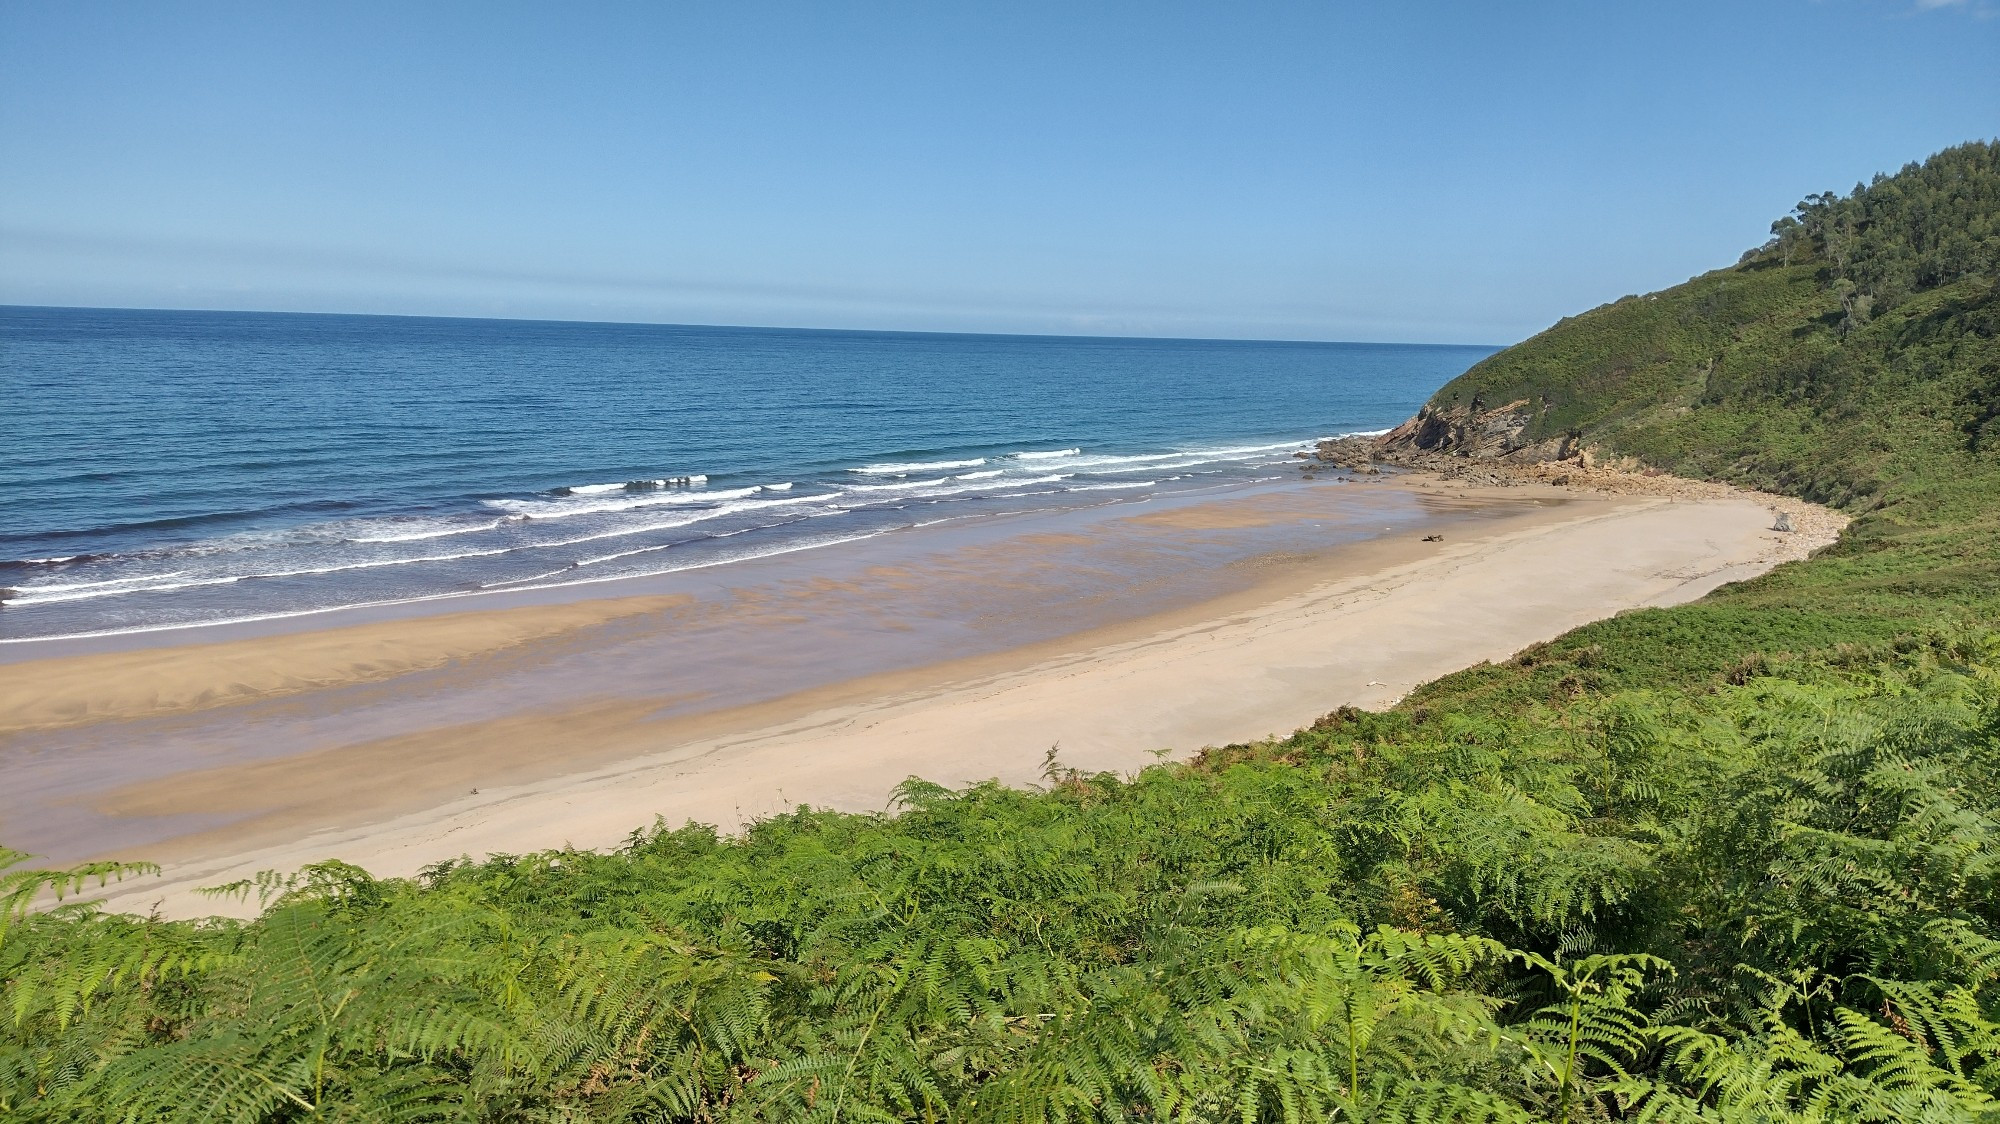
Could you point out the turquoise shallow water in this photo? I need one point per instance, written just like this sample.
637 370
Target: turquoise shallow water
185 467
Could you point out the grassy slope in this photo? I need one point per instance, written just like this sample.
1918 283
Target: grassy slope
1743 375
1787 793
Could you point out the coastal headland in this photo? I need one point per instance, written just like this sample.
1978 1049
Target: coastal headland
1109 638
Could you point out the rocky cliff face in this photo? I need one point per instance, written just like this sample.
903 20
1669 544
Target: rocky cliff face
1462 442
1474 432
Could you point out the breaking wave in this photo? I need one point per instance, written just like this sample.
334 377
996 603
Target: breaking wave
894 469
531 540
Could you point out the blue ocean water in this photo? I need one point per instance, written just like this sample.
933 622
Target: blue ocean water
167 468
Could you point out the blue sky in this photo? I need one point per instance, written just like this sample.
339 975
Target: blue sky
1417 171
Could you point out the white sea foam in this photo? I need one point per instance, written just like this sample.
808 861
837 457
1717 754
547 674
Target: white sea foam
718 512
91 591
944 488
1105 463
563 509
633 485
614 510
427 531
515 586
625 554
904 485
27 598
63 587
379 563
1015 483
520 584
988 485
288 614
1102 460
893 469
671 545
634 529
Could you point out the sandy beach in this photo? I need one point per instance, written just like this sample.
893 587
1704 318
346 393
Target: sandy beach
394 744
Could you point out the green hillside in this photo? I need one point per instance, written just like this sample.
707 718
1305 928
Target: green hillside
1734 860
1847 360
1787 372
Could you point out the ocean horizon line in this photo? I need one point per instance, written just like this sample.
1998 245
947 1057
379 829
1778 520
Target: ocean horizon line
803 329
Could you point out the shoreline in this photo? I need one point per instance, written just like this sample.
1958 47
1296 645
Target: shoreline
19 650
1360 624
418 766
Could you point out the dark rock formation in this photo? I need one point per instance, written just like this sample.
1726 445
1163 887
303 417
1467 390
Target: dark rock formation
1477 433
1469 443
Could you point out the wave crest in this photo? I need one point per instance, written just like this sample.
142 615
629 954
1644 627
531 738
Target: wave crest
892 468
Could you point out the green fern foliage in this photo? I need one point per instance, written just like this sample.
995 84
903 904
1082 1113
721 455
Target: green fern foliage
1775 902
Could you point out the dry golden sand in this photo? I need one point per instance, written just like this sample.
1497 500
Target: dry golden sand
1360 627
1627 477
1813 523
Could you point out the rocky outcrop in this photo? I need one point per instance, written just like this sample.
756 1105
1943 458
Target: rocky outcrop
1355 454
1469 443
1475 432
1461 443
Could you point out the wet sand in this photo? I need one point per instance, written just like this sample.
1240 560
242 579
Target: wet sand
78 690
1141 631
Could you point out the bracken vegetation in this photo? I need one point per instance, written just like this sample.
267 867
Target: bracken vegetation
1733 861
